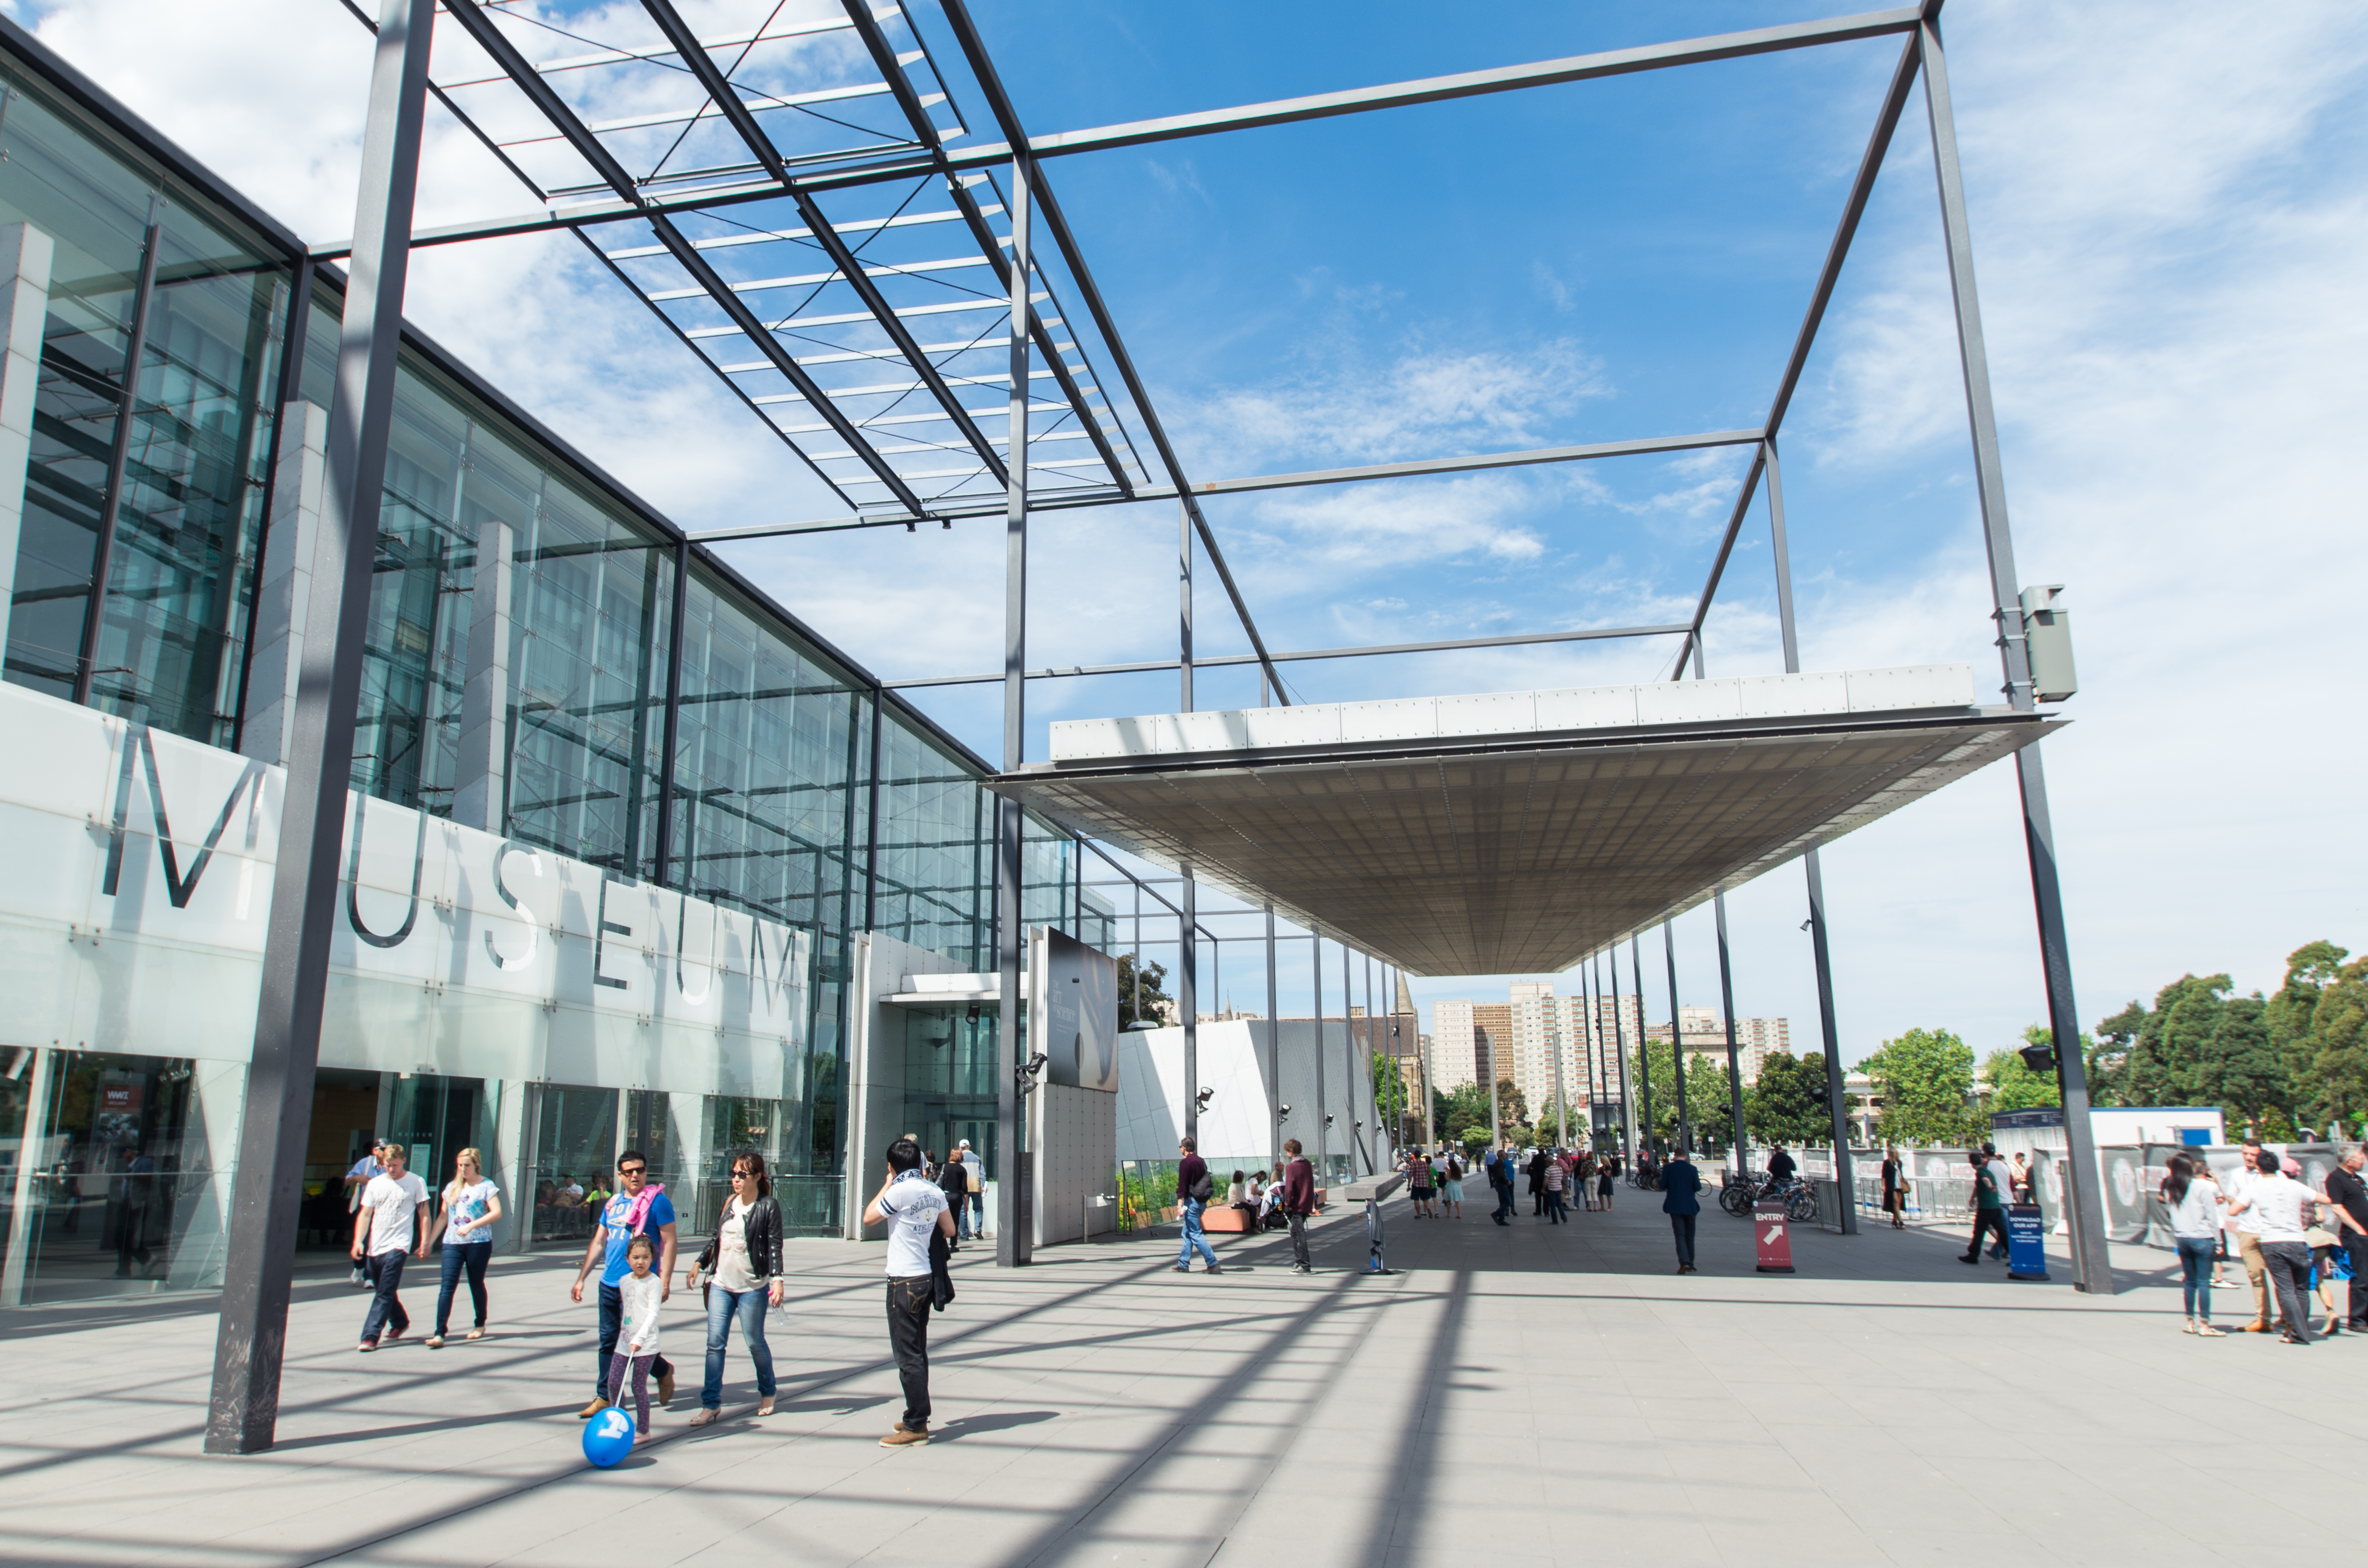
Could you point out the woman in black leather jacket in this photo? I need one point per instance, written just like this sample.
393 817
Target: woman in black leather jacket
742 1266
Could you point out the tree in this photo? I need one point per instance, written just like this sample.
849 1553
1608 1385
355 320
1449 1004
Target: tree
2314 1023
2108 1058
1153 998
1926 1078
1513 1108
1788 1103
2200 1046
2013 1085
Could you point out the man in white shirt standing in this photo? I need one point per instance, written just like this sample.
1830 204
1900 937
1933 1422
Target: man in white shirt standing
2279 1208
971 1219
912 1207
393 1215
2004 1177
2247 1232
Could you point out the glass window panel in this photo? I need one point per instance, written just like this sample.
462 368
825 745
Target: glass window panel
189 523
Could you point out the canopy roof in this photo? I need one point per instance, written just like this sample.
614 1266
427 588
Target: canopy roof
1514 833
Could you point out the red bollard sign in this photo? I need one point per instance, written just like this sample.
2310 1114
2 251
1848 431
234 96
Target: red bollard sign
1770 1239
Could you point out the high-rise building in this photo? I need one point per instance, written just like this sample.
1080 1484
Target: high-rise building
1470 1042
1705 1034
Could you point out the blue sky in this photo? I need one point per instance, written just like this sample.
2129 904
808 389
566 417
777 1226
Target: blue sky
2167 209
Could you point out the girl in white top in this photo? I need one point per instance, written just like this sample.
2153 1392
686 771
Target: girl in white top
637 1337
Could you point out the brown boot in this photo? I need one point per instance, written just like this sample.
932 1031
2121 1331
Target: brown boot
599 1403
905 1438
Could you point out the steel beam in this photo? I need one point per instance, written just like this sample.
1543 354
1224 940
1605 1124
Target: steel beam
1463 85
2092 1267
1643 1053
1010 1248
1647 445
1315 969
119 454
473 18
982 68
1274 1053
1437 89
720 91
1742 1136
243 1410
1514 640
1870 166
1678 1040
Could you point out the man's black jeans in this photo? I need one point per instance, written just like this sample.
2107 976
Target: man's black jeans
2289 1270
2356 1244
909 1335
1682 1227
1985 1219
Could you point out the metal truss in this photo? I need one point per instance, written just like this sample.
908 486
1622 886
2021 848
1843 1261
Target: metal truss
867 330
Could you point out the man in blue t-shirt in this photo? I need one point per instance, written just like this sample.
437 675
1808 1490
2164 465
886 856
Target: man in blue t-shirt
640 1208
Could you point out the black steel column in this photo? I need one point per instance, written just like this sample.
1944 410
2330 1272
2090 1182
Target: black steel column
872 819
1644 1050
245 1407
119 453
1620 1045
1273 1052
1734 1058
1837 1106
1315 968
669 727
1678 1042
2092 1267
1187 1003
1011 1213
291 376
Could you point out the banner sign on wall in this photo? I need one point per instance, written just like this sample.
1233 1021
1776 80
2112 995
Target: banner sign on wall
135 921
1072 1019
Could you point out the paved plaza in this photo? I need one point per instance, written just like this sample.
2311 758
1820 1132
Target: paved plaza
1532 1395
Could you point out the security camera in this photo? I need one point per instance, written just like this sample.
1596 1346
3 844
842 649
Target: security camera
1203 1098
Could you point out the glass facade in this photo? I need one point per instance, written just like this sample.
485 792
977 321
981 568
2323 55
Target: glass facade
764 807
189 428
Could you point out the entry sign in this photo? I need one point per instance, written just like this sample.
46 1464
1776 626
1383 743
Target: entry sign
2026 1243
1770 1239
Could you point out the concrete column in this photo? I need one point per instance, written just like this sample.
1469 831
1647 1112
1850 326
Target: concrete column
202 1233
13 1268
25 255
478 799
508 1163
285 589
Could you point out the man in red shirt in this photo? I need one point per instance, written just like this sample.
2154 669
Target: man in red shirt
1298 1203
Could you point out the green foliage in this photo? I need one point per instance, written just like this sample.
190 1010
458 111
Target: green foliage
1153 996
1460 1109
1512 1111
1474 1138
2013 1085
2318 1024
1706 1093
2200 1046
1926 1078
1788 1102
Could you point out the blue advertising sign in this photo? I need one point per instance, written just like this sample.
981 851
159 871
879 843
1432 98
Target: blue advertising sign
2026 1243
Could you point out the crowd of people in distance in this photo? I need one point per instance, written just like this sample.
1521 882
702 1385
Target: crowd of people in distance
2293 1243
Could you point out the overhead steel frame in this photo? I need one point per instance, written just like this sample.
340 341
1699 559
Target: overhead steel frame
295 967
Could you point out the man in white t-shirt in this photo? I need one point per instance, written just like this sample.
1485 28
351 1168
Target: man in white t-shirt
2279 1210
913 1208
392 1217
2247 1233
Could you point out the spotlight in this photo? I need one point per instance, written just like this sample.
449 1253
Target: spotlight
1203 1098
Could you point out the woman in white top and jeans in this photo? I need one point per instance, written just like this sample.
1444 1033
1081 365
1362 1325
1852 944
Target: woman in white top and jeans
743 1262
2193 1199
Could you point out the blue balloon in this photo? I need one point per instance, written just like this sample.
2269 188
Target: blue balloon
607 1436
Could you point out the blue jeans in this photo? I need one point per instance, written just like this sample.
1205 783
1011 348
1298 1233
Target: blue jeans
469 1257
1194 1237
386 1308
612 1322
2195 1257
723 1306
